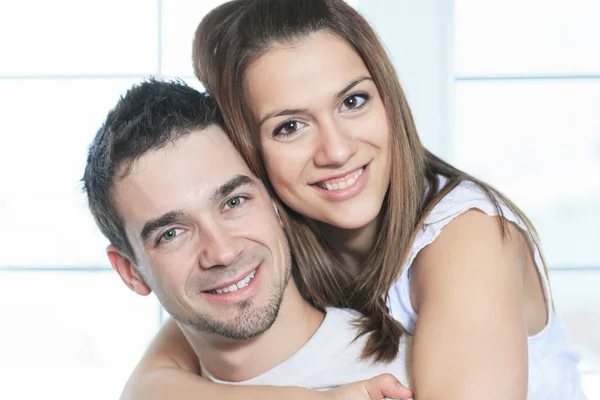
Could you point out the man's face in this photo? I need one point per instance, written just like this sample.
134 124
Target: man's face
205 235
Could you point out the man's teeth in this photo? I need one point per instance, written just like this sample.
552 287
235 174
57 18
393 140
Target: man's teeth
338 184
236 286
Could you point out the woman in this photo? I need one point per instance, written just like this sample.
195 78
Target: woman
379 223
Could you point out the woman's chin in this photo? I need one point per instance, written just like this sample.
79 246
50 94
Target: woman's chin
347 221
345 215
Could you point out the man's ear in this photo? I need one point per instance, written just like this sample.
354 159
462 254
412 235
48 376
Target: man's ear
127 271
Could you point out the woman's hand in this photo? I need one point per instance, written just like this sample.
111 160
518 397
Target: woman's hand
377 388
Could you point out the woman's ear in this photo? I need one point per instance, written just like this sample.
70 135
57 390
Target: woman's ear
127 271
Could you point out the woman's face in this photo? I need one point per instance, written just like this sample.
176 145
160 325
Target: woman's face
323 129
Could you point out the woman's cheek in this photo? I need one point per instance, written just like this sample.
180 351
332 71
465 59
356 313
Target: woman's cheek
284 175
280 162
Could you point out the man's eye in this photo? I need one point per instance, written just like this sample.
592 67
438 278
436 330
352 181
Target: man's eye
170 235
234 202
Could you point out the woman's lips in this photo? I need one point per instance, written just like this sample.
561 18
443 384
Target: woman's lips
344 187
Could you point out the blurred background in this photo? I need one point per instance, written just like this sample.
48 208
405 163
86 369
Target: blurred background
508 91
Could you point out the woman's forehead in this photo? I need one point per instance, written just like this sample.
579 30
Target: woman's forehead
317 65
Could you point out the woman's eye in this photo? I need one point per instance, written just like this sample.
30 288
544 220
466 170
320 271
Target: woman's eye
234 202
170 235
288 128
354 101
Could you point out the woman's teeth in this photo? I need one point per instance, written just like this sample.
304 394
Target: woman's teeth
341 183
236 286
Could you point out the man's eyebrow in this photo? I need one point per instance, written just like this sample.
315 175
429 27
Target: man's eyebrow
157 223
339 95
228 187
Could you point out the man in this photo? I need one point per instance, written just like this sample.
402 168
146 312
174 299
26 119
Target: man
187 220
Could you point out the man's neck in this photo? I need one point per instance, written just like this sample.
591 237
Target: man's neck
240 360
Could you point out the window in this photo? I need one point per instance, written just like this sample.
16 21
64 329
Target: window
71 329
527 101
510 91
518 80
527 95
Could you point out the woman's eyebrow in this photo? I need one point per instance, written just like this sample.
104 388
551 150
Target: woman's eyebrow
280 114
355 82
338 96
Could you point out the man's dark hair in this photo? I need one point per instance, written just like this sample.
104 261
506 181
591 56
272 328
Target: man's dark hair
150 115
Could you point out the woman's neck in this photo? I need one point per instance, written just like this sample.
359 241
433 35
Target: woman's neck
353 246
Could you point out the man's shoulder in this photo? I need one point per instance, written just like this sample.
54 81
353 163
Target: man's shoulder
343 314
345 354
336 318
344 324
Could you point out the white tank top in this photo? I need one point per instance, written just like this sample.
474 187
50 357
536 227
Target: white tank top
553 363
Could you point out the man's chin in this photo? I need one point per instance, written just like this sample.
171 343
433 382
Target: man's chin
247 322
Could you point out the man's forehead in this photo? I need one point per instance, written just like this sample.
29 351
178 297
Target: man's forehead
223 160
191 168
207 152
213 139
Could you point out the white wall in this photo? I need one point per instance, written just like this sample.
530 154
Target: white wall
418 37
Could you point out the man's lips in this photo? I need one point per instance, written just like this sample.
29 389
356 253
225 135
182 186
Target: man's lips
242 283
250 287
239 282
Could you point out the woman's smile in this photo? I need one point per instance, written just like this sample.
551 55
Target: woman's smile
323 130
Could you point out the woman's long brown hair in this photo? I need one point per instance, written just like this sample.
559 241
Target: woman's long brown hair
237 33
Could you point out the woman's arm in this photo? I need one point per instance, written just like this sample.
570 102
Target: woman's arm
471 333
169 370
169 358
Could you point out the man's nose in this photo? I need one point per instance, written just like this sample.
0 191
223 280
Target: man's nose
219 247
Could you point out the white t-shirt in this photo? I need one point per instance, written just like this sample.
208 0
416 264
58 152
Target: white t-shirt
553 363
331 358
